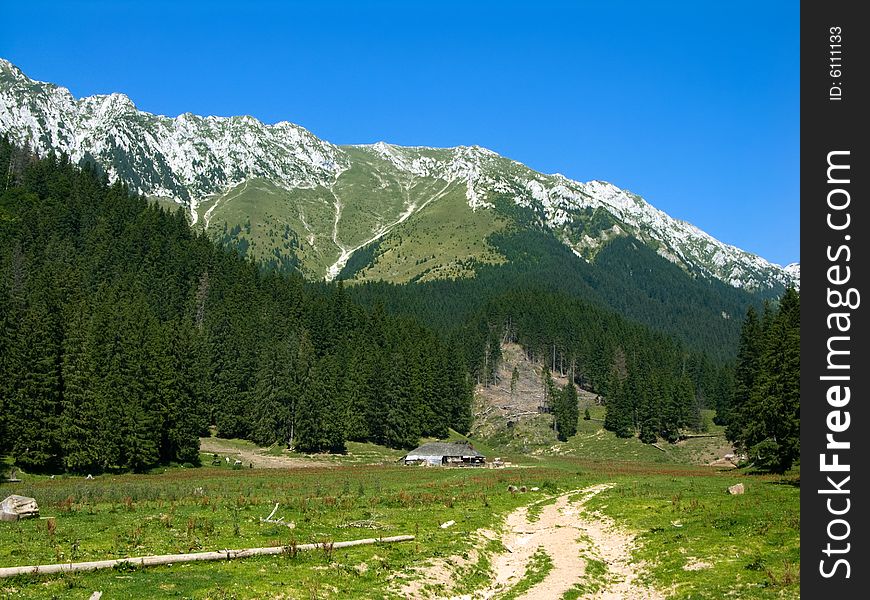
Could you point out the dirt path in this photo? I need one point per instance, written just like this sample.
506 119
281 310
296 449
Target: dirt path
556 531
571 535
255 457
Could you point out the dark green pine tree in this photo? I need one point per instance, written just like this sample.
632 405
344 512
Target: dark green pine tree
434 415
36 402
649 404
745 372
319 424
357 394
567 411
102 354
181 383
232 370
8 360
772 434
375 408
273 393
459 392
400 429
144 408
618 416
724 394
79 422
301 376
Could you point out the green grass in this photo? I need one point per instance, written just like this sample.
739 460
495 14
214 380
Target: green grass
534 436
595 577
477 575
750 541
441 241
536 571
186 510
270 219
364 454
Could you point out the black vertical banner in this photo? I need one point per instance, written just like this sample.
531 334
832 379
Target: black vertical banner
835 371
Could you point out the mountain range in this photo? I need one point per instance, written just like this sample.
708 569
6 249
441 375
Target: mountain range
363 212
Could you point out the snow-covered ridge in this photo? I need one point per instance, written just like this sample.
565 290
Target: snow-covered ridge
186 158
189 158
559 199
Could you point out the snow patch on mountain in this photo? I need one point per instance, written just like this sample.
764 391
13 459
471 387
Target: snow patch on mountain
794 270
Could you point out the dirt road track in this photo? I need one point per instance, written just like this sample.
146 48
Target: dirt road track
571 535
256 458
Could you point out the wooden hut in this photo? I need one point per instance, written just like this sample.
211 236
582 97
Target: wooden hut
458 454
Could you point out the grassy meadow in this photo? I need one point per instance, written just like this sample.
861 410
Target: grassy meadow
695 540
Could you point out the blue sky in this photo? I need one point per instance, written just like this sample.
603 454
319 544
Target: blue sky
693 105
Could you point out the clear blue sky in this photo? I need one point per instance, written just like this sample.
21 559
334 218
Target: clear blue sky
693 105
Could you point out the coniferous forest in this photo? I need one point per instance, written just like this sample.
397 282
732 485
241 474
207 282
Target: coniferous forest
125 335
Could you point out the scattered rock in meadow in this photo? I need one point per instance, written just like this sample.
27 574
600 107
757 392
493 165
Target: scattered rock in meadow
15 508
736 490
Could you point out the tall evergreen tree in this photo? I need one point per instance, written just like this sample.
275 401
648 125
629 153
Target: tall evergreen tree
567 411
79 417
618 416
746 370
319 423
772 434
765 417
400 429
36 402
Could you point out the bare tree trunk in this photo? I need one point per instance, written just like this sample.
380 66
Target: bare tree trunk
166 559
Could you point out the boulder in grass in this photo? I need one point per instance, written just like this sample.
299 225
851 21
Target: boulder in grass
15 508
736 490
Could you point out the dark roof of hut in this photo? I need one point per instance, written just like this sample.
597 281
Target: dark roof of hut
445 449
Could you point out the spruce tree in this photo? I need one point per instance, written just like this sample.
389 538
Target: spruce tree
772 434
319 425
79 422
400 429
650 401
618 415
746 370
36 401
567 411
459 391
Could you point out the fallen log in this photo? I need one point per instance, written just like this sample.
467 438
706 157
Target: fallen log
168 559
